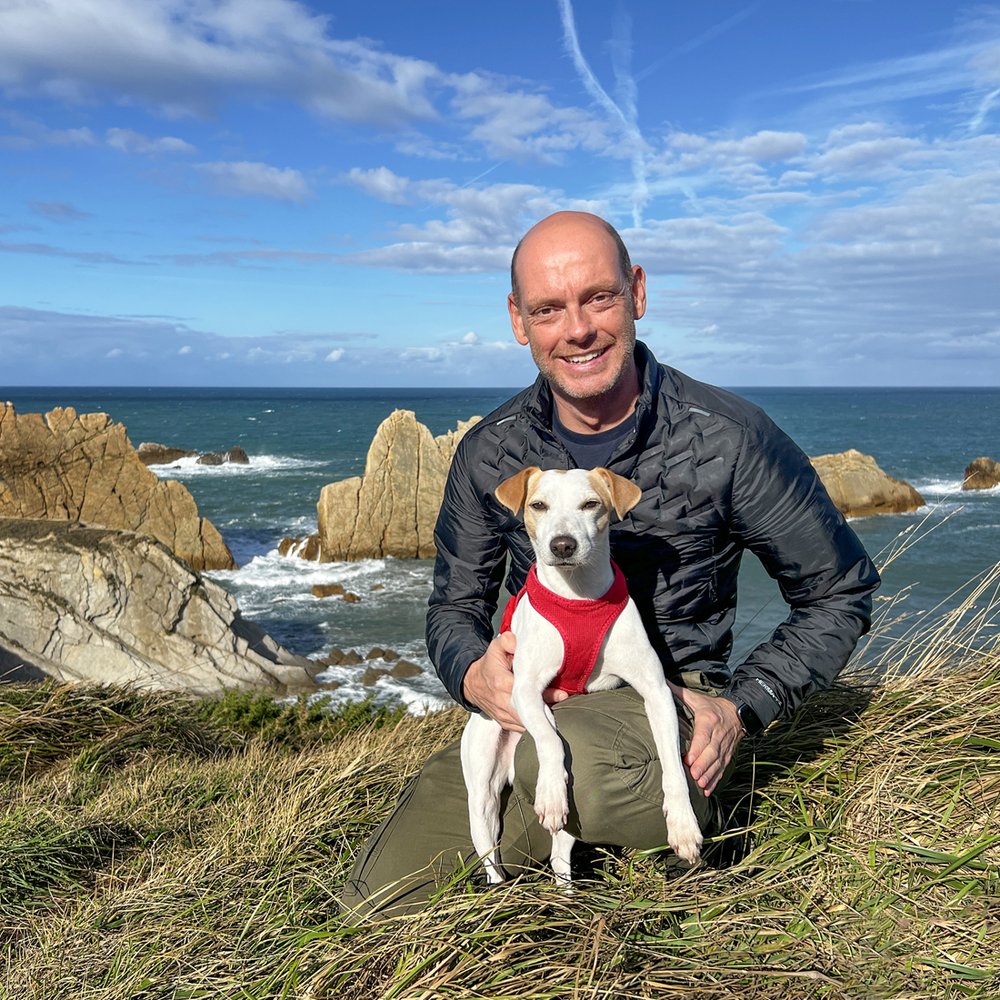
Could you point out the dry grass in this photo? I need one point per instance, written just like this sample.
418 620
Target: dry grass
155 847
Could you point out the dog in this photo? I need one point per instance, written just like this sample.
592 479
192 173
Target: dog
567 515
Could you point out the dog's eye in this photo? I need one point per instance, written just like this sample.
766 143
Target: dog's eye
590 505
538 506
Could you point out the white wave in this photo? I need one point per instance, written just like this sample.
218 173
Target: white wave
420 695
185 468
938 487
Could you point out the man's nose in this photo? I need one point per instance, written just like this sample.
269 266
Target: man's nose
579 325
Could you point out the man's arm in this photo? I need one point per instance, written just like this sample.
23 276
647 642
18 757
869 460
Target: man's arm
783 514
468 572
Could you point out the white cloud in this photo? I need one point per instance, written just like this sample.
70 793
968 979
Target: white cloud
129 141
335 355
186 349
471 338
260 179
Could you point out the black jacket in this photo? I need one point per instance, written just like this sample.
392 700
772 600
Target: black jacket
717 477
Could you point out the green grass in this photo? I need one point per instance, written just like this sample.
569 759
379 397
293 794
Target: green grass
159 846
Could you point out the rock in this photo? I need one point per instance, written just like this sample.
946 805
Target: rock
351 598
390 656
84 468
376 653
376 587
392 508
102 606
860 488
404 668
981 474
371 676
235 456
333 658
327 589
350 659
303 548
151 453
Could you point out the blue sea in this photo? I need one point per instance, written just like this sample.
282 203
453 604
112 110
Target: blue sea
300 440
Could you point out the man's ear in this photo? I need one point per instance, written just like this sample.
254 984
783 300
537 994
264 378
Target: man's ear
512 492
516 322
624 493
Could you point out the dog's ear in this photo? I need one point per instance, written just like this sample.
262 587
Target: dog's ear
513 491
624 493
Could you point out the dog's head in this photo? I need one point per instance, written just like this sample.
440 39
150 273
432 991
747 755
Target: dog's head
567 513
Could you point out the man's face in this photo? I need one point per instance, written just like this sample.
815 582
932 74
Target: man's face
575 309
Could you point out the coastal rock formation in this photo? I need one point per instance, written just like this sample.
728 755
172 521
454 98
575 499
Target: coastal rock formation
151 453
981 474
84 468
392 508
860 488
113 607
235 456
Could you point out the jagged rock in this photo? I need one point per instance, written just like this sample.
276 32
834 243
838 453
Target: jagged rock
371 676
376 653
981 474
102 606
350 597
327 589
235 456
860 488
303 548
390 656
404 668
151 453
392 508
84 468
351 658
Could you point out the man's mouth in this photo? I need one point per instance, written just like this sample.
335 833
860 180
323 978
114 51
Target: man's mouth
582 359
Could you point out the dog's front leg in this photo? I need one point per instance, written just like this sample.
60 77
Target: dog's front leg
551 804
487 766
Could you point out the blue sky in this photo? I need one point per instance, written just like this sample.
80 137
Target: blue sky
267 192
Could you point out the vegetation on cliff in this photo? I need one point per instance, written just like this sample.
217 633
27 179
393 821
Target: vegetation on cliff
163 846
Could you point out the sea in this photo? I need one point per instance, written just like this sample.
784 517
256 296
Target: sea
299 440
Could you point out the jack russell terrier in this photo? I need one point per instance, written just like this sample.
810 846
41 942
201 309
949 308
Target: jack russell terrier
577 629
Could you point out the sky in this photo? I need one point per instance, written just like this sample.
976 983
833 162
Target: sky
281 193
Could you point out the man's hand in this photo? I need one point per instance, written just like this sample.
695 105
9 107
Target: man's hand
717 733
489 681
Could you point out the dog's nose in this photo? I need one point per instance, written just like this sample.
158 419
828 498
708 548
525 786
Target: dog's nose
563 546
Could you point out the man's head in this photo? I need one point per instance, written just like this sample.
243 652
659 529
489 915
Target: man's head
574 301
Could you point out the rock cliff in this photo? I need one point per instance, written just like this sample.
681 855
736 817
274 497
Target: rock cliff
859 487
112 607
981 474
392 508
83 468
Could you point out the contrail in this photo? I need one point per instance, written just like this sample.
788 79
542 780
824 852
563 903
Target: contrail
985 105
628 117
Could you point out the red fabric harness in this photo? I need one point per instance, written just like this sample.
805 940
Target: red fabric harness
582 625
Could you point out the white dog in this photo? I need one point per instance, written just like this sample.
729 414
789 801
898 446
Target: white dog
567 515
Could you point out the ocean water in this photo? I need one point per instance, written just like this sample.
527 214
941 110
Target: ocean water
300 440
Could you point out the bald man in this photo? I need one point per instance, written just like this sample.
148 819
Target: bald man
718 478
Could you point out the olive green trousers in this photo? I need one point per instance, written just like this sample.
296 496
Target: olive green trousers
615 799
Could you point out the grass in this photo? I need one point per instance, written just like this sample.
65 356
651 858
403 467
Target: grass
159 846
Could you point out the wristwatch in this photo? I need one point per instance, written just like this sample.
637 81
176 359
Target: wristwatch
749 719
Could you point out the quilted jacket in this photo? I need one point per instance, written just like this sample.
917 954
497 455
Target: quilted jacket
718 478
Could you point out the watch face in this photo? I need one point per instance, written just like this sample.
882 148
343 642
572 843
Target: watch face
749 719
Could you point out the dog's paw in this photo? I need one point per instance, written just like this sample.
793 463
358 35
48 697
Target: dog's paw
684 834
551 804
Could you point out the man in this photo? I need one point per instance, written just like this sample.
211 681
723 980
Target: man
718 478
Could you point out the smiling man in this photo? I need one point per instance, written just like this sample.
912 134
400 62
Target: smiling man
718 478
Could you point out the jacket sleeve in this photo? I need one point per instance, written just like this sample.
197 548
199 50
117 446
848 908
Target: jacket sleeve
468 571
783 514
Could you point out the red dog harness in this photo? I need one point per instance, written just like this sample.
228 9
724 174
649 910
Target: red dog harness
582 625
